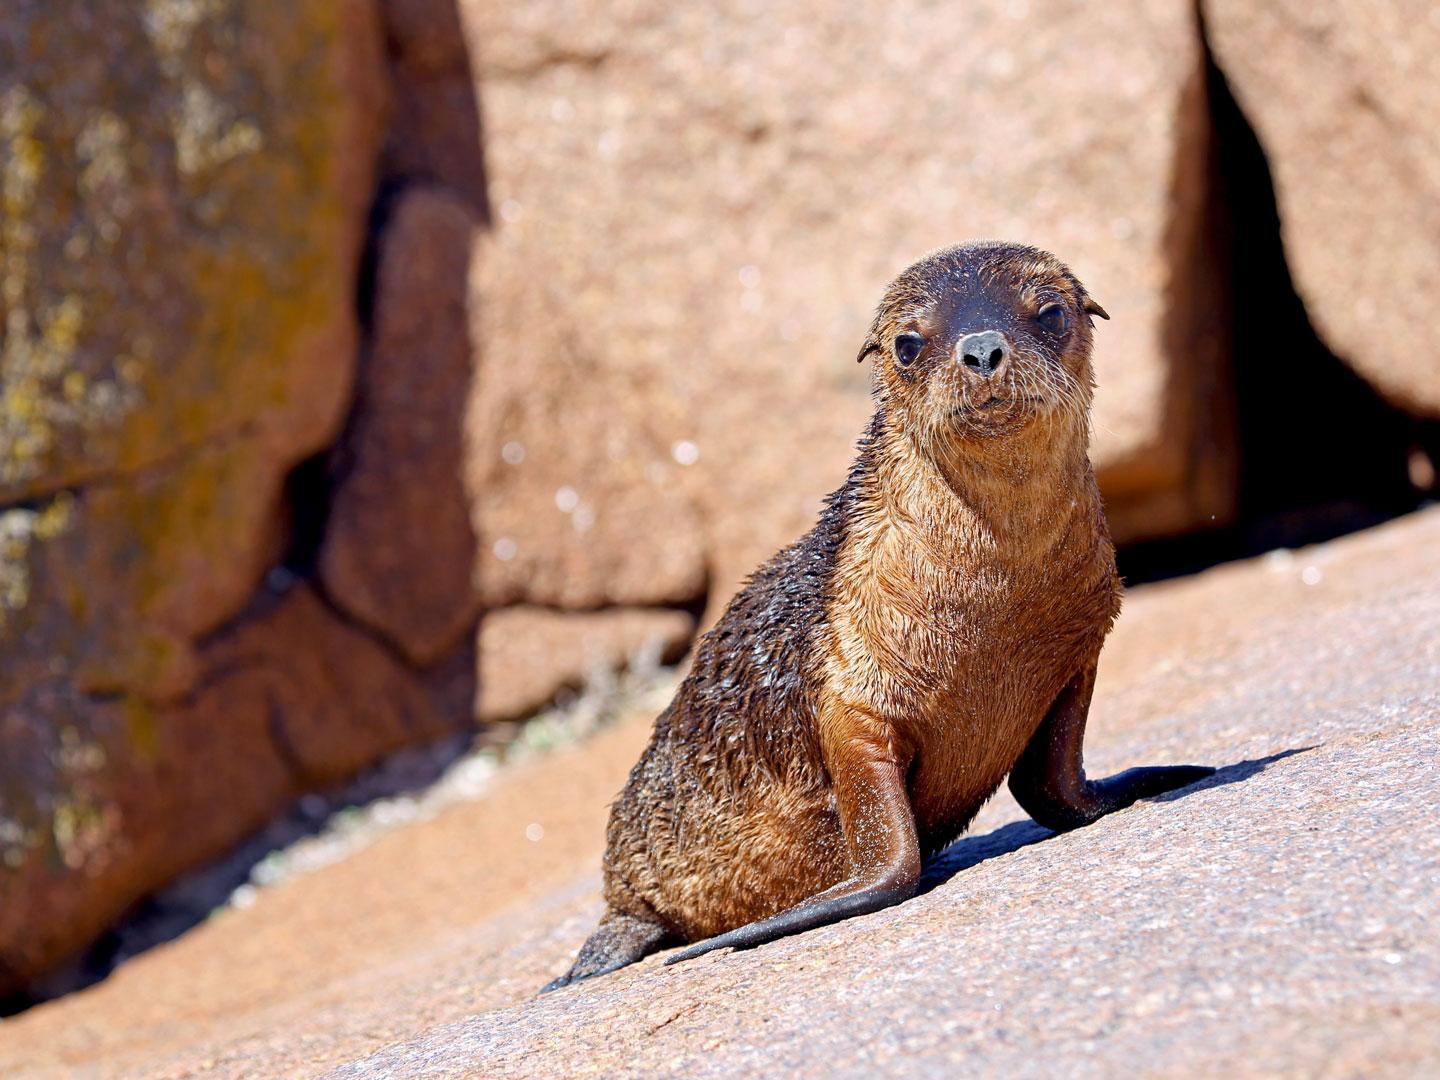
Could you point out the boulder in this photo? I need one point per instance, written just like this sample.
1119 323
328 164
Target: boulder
398 551
183 191
106 798
1344 98
154 298
526 654
694 214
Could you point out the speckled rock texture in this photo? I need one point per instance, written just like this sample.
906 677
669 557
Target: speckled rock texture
183 190
1344 98
695 211
1275 920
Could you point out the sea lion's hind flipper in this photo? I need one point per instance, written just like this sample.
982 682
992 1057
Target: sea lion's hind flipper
878 824
619 940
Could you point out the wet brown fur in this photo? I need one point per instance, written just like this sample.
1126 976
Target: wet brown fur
952 588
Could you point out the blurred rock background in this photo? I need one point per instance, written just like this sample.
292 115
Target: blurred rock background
374 369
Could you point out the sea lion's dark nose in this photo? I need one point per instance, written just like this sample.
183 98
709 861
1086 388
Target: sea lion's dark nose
983 353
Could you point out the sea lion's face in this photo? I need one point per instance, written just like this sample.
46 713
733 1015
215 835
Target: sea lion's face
983 341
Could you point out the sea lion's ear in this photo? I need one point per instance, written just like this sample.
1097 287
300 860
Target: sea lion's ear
871 345
1095 309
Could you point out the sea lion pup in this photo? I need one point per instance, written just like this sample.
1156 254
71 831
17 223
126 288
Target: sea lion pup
938 629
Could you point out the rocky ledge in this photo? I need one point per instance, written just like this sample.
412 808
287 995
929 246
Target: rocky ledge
1277 919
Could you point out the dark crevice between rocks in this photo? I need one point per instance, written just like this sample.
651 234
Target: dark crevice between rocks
382 208
307 502
310 485
1321 454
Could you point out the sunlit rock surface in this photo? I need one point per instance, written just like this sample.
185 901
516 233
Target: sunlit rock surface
1276 919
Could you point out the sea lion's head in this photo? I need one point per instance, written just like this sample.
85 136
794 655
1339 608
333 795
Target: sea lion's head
983 341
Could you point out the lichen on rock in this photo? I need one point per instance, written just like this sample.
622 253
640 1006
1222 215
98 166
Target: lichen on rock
172 343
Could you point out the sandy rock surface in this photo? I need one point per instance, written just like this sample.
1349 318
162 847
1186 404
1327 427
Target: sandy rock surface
1275 919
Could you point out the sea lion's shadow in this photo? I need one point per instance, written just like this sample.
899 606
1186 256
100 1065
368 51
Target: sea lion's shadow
970 851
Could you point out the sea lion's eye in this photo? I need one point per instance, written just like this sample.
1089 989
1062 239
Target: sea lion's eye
907 348
1054 318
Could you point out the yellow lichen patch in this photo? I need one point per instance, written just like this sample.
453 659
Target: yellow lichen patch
33 365
205 310
20 114
205 136
82 830
104 180
20 529
17 531
16 842
81 827
37 351
206 132
77 755
56 517
22 161
142 727
170 24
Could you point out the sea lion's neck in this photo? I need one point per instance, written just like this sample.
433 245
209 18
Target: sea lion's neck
1024 493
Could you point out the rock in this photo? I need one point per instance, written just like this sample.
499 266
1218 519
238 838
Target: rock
1277 918
398 552
695 214
426 34
527 654
183 190
108 798
435 136
574 503
337 699
154 298
1344 99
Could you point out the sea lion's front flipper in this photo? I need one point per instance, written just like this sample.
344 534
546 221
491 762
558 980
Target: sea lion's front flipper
878 824
1049 779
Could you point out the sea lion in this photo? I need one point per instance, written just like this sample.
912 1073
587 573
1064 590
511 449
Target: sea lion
937 630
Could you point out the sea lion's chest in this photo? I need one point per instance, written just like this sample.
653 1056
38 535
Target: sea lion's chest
979 628
963 651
